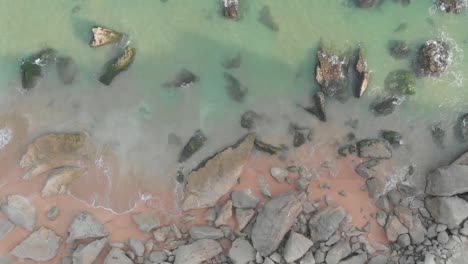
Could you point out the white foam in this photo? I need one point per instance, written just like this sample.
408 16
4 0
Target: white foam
6 134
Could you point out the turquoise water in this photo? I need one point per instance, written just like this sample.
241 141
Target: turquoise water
136 113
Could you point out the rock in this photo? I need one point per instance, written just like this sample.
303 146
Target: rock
375 187
299 139
197 252
443 237
53 213
5 227
461 128
206 184
31 67
19 211
146 221
338 252
161 234
362 74
451 211
194 144
364 3
438 134
402 82
224 214
394 196
265 147
66 260
42 245
374 148
433 58
398 49
365 168
394 228
266 18
60 179
88 254
102 36
418 231
158 256
85 226
244 199
331 72
386 106
184 78
325 223
263 187
279 174
233 63
404 240
117 256
383 204
66 69
231 8
274 221
380 259
392 137
243 217
118 65
296 246
451 6
241 252
319 106
136 246
250 119
235 89
201 232
356 259
308 259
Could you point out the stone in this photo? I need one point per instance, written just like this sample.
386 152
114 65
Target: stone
197 252
224 214
41 245
380 259
272 223
158 256
263 187
383 204
418 231
58 180
161 234
244 199
296 246
338 252
87 254
102 36
394 196
394 228
117 65
308 259
447 181
330 72
402 82
243 217
365 168
85 226
451 211
117 256
136 246
362 73
443 237
451 6
374 148
233 62
398 49
319 256
394 138
356 259
433 58
250 119
146 221
217 176
66 69
200 232
318 109
184 78
404 240
19 211
66 260
5 227
53 213
230 8
325 223
266 18
241 252
235 89
375 187
279 174
32 67
386 106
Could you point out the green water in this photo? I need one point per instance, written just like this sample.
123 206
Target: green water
136 113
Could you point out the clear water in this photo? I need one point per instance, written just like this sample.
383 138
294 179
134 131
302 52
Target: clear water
134 115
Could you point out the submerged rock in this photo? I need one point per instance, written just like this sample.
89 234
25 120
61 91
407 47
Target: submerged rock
194 144
364 3
265 147
299 139
118 65
66 69
433 58
374 148
386 106
402 82
233 63
197 252
42 245
451 6
461 128
85 226
60 179
184 78
324 224
451 211
398 49
362 73
231 8
87 254
236 90
331 72
274 221
394 138
438 134
31 68
266 18
217 176
365 168
249 119
102 36
19 211
319 107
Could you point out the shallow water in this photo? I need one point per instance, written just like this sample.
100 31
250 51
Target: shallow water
130 120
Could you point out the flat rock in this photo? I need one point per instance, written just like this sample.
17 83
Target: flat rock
197 252
19 211
374 148
59 179
365 168
85 226
42 245
201 232
244 199
451 211
243 217
87 254
217 176
324 224
338 252
5 227
274 221
146 221
117 256
394 228
241 252
447 180
357 259
296 246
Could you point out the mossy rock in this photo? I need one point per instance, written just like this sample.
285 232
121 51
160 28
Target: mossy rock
194 144
401 81
118 65
31 68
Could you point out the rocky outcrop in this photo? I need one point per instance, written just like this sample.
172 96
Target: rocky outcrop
402 82
217 176
32 67
451 211
433 58
374 148
85 226
325 223
449 180
66 69
330 72
231 8
197 252
87 254
42 245
19 211
102 36
60 179
118 65
451 6
362 74
274 221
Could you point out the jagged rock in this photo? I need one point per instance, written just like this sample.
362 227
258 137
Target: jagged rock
117 256
319 106
88 253
394 228
60 179
331 72
31 67
5 227
244 199
433 58
450 211
265 147
461 128
325 223
274 221
42 245
451 6
375 187
66 69
241 252
243 217
250 119
279 174
398 49
217 176
53 213
197 252
235 89
296 246
362 73
201 232
266 18
85 226
364 3
374 148
231 8
365 168
224 214
402 82
118 65
146 221
338 252
184 78
19 211
386 106
102 36
356 259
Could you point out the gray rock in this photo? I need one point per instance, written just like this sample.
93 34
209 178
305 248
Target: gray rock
443 237
394 197
418 231
244 200
383 204
243 217
197 252
441 227
319 256
158 256
85 226
136 246
448 180
374 148
20 211
210 214
5 227
200 232
5 260
450 211
241 252
394 228
66 260
279 174
272 223
375 187
308 259
357 259
268 261
333 239
161 234
146 221
42 245
365 168
117 256
338 252
296 246
404 240
53 213
88 253
379 260
224 214
325 223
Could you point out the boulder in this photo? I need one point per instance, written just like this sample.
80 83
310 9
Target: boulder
87 254
5 227
279 174
197 252
42 245
296 246
231 8
451 211
243 217
356 259
362 74
32 67
241 252
402 82
266 18
330 72
117 256
235 89
325 223
244 199
374 148
19 211
184 78
85 226
213 179
386 106
274 221
398 49
451 6
60 179
118 65
102 36
201 232
66 69
338 252
394 228
194 144
433 58
447 180
146 221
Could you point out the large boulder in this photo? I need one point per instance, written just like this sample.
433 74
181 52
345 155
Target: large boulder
102 36
19 211
274 221
330 72
118 65
42 245
374 148
325 223
59 179
451 6
217 176
451 211
449 180
197 252
433 58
